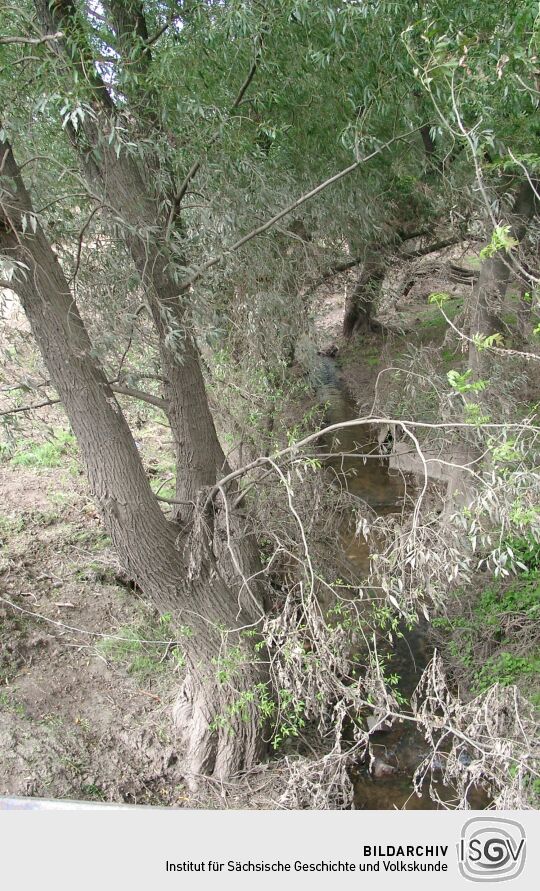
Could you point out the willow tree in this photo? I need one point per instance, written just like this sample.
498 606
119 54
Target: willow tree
178 570
476 64
147 107
101 92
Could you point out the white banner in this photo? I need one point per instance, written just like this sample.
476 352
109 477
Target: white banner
154 849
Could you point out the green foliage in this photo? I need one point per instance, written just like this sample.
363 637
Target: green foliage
284 713
290 718
228 664
334 82
490 629
475 414
506 453
507 669
462 383
501 240
439 298
527 552
484 342
445 308
516 164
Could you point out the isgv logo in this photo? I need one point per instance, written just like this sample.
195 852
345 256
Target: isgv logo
491 850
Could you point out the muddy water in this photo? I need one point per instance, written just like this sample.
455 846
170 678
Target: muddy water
402 747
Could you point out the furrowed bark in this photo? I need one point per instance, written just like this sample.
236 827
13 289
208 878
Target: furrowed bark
179 575
127 188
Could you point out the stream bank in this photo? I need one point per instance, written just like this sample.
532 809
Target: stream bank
396 751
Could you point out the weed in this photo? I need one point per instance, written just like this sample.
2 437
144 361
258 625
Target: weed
92 792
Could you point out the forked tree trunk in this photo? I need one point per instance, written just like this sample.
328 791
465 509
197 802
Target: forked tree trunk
199 457
221 667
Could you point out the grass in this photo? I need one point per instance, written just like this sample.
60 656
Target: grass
449 359
163 486
58 451
497 610
92 792
140 651
433 317
10 703
10 526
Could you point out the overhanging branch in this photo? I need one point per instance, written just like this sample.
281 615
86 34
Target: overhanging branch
213 261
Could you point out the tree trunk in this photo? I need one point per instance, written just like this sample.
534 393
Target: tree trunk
199 456
179 575
134 191
130 192
362 298
490 289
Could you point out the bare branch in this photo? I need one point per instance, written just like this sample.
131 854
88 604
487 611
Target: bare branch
24 408
370 421
116 388
139 394
31 41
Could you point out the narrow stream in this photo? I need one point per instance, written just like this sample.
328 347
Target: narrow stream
403 747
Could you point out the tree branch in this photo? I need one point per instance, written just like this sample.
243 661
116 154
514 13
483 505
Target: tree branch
140 394
213 261
23 408
155 37
431 248
195 167
293 450
64 15
116 388
31 41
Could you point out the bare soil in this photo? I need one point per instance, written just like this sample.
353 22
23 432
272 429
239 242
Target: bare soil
74 722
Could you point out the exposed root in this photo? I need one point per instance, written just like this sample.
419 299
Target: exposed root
219 727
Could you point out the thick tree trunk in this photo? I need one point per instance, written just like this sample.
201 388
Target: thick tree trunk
199 456
362 298
179 576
